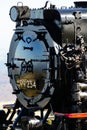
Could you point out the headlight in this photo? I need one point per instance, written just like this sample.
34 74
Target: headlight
18 13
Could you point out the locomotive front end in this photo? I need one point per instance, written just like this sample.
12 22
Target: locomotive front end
47 64
30 58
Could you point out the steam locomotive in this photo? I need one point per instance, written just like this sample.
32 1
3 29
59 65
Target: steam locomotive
47 66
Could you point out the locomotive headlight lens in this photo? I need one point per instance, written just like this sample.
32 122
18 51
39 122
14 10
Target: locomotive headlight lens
14 13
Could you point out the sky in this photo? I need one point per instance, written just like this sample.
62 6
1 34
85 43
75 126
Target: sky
7 26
